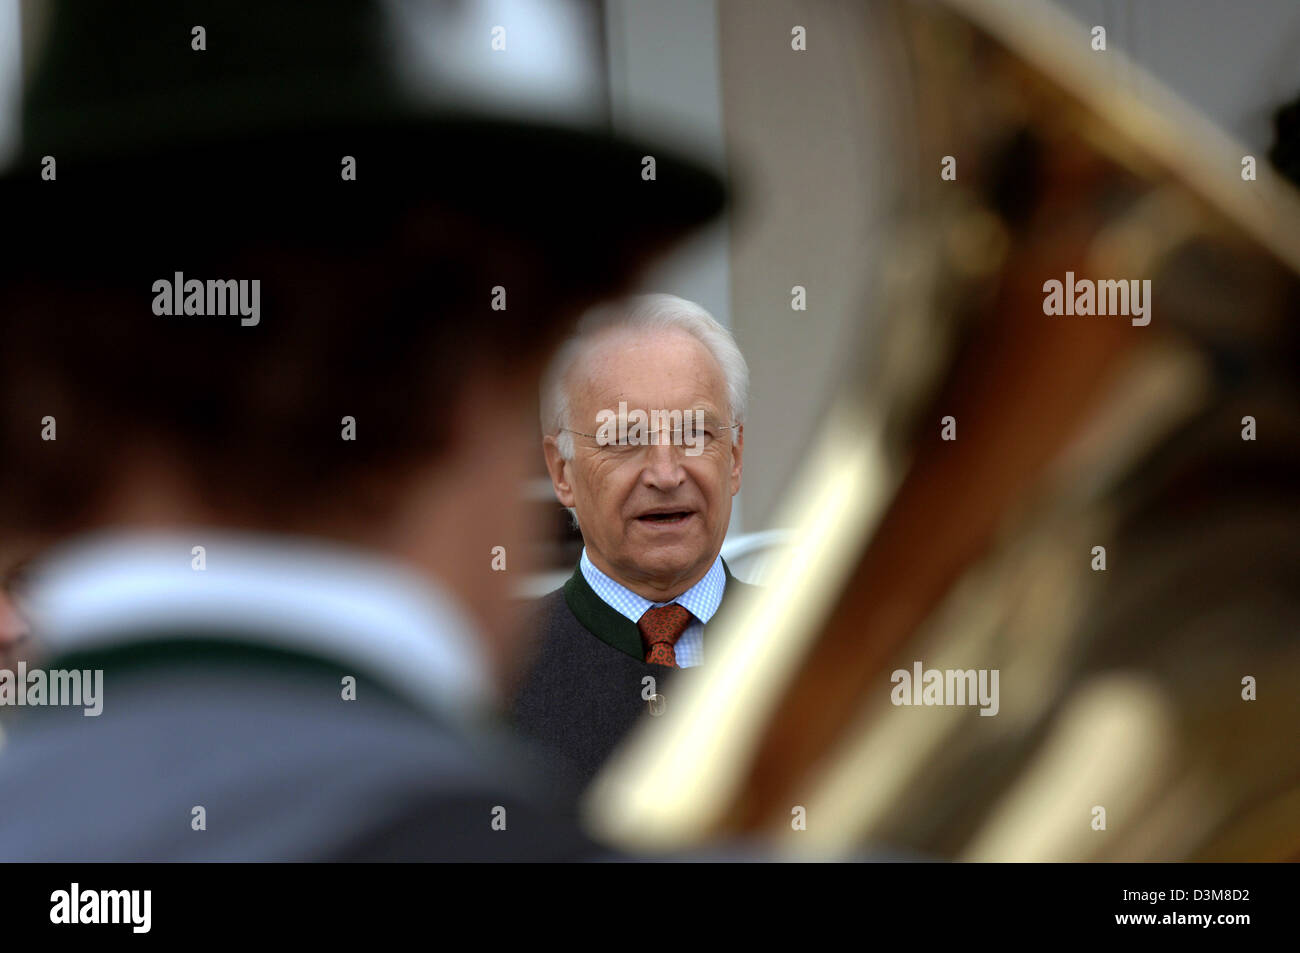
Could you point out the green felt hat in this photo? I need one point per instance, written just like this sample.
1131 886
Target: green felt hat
197 115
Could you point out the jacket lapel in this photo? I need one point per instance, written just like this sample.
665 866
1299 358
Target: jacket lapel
599 618
615 630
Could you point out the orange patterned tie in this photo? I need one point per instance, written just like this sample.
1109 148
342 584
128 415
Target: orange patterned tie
660 630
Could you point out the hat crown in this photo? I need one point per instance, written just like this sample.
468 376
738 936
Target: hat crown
133 71
128 76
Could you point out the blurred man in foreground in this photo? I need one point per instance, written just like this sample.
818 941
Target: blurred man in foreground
272 327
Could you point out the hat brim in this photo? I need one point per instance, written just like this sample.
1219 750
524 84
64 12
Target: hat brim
577 186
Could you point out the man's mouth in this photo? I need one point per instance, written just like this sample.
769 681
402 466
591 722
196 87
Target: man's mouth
665 517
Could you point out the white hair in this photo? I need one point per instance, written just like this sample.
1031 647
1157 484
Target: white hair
650 312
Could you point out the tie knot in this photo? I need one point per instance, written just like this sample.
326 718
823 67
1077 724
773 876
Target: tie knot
660 630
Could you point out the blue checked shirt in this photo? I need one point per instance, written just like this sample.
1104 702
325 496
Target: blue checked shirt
701 601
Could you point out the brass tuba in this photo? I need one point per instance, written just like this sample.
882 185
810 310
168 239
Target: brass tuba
1102 511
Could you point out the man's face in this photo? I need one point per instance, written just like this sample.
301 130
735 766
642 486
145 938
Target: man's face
653 517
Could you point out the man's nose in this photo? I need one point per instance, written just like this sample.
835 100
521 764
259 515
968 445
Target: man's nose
662 465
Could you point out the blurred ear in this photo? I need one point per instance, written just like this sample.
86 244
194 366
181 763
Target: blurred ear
557 467
737 459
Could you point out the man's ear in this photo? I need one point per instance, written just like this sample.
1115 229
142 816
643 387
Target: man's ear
557 467
737 459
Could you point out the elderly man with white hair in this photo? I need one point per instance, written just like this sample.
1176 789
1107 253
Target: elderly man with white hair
643 431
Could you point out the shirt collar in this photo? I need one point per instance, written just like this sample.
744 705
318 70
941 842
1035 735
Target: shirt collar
701 600
309 596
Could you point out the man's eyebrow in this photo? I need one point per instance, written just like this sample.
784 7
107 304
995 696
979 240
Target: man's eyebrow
709 414
707 410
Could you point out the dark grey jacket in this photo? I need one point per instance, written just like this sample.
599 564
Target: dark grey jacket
585 690
283 768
